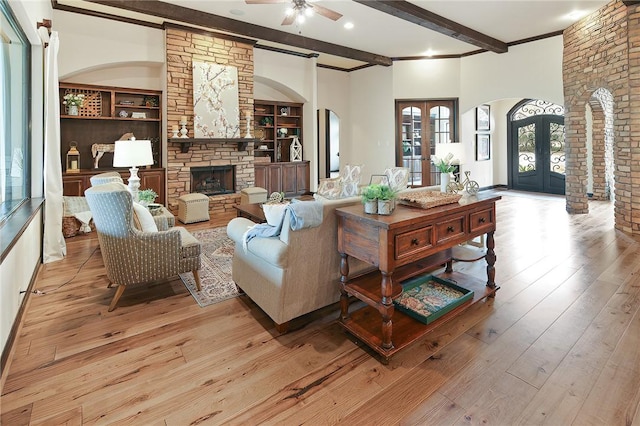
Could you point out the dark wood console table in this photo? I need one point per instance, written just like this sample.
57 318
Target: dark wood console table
409 242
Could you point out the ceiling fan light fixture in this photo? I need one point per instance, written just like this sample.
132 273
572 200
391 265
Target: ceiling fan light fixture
300 18
290 11
308 11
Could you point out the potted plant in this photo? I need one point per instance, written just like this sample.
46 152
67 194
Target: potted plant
445 167
73 101
386 200
147 196
369 196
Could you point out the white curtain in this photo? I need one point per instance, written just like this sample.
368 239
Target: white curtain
54 246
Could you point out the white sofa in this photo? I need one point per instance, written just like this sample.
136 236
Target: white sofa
296 273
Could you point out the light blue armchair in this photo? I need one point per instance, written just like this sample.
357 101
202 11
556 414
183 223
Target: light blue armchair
132 257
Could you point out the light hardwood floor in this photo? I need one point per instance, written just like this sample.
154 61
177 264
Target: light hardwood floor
560 344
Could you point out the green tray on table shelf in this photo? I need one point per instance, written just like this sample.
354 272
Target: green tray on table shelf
426 298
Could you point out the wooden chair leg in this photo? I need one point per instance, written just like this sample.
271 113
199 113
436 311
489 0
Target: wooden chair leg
196 276
116 297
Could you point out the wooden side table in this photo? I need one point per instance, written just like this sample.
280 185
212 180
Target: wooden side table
407 243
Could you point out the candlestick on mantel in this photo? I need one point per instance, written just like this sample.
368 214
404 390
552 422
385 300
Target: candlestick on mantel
175 128
183 119
248 135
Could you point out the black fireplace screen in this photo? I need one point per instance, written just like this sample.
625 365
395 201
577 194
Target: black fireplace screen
213 180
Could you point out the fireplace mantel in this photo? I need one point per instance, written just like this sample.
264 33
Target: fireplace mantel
186 142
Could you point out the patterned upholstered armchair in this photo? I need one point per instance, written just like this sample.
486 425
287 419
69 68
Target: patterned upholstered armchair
106 177
132 257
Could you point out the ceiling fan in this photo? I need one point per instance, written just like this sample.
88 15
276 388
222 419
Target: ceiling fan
300 10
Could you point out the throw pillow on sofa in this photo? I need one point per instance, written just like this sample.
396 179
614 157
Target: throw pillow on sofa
398 177
350 180
274 213
142 219
330 188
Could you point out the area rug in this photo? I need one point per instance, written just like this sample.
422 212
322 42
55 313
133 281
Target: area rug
215 268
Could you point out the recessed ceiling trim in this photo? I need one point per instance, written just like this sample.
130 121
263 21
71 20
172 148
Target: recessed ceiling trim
196 17
414 14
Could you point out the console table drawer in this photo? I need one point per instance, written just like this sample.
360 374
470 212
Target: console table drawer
449 229
413 241
481 219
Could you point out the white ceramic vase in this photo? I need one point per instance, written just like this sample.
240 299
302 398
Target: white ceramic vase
371 207
72 109
445 178
385 207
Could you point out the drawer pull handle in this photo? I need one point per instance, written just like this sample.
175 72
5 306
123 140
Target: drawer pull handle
481 220
415 242
450 229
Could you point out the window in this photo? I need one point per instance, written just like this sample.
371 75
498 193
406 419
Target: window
15 96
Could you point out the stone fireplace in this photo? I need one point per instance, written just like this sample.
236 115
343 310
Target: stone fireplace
232 159
213 180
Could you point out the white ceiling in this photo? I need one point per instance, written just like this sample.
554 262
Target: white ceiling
383 34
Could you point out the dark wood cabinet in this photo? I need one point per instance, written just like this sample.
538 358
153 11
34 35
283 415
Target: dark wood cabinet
292 178
74 184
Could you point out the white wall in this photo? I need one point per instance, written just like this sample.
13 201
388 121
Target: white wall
100 47
21 262
372 139
333 94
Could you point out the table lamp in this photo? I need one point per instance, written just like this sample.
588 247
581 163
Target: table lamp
133 153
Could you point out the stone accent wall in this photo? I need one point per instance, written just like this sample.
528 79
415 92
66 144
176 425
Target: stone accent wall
603 51
183 46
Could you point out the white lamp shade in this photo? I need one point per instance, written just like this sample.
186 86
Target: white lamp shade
132 153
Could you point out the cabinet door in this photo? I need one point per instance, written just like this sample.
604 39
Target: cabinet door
302 177
274 178
289 176
153 179
73 186
261 177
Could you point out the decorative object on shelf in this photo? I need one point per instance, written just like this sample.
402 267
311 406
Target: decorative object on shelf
248 135
266 121
183 130
263 147
98 150
445 167
133 153
284 111
295 150
483 118
147 196
138 115
151 101
282 132
427 298
471 186
126 103
216 107
175 129
73 101
259 133
73 158
483 147
123 114
428 199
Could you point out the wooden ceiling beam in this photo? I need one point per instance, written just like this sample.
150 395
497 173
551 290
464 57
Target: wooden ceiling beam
630 3
208 20
412 13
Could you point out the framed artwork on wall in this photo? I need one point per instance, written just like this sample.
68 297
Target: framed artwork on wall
483 147
483 121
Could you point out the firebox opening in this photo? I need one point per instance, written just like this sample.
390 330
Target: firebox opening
213 180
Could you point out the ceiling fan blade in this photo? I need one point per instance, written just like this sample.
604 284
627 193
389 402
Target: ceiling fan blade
288 20
327 13
264 1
